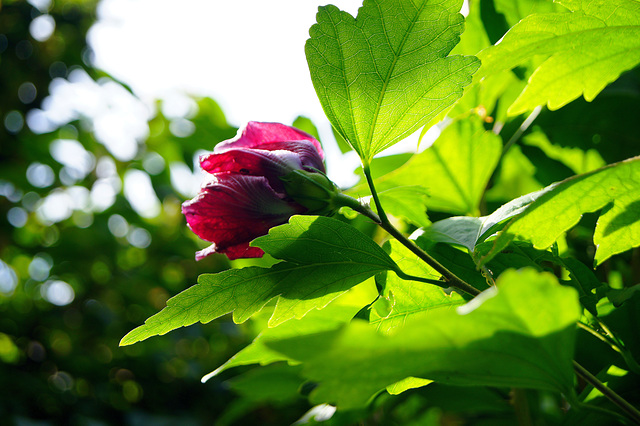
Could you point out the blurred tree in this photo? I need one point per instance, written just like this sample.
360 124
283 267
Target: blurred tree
79 265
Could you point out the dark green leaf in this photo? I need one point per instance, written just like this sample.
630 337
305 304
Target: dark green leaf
509 336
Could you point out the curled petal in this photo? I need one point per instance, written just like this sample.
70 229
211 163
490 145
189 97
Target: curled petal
255 134
240 251
232 210
308 152
254 162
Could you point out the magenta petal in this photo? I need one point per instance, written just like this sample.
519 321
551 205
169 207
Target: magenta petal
308 152
241 251
256 133
232 210
255 162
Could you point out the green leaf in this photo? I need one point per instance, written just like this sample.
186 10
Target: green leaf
337 313
608 125
407 384
514 177
306 125
584 50
584 280
362 68
410 299
308 240
515 10
619 296
407 202
618 227
327 258
277 383
576 159
563 204
468 231
511 335
455 169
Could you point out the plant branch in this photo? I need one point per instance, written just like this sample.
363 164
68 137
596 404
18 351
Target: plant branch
452 279
383 219
409 277
614 343
629 409
523 128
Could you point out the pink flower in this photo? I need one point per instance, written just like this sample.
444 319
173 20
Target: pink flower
245 196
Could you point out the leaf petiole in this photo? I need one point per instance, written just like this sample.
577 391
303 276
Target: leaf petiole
381 219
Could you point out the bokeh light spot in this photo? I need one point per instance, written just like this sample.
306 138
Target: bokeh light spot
40 175
118 225
13 121
17 217
140 193
8 279
42 27
139 237
9 352
61 381
40 267
57 292
78 161
56 207
182 128
153 163
27 92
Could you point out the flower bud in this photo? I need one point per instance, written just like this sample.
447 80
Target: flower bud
244 196
313 190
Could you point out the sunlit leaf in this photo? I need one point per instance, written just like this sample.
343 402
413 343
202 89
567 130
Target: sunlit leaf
384 74
337 313
409 299
406 384
468 231
585 51
326 258
455 169
563 204
407 202
308 240
510 336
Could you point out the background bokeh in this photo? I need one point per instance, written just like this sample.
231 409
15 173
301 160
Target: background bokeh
92 241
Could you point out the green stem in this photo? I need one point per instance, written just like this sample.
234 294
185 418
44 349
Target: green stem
614 343
629 409
409 277
382 215
523 128
452 279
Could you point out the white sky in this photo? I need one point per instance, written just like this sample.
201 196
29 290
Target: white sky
248 55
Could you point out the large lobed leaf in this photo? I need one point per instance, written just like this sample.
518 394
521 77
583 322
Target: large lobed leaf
323 258
384 74
518 334
584 51
615 187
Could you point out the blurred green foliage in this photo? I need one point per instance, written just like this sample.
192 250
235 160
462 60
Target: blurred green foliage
60 362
